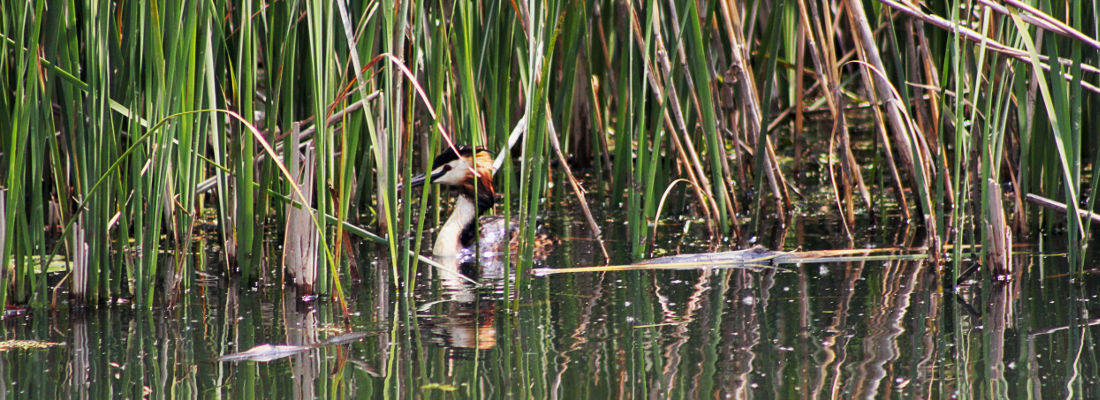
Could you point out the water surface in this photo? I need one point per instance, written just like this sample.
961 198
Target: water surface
871 329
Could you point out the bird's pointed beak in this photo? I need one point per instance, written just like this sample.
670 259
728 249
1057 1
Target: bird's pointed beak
417 180
420 179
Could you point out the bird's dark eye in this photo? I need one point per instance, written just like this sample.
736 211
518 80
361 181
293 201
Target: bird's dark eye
446 167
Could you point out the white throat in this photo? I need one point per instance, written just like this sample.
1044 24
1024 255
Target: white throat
447 241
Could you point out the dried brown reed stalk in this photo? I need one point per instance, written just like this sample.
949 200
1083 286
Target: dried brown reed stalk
300 243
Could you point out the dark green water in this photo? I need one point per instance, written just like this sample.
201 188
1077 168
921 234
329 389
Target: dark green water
839 330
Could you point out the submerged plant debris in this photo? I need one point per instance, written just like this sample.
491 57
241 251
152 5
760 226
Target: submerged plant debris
13 344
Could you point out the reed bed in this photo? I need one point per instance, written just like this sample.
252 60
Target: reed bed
128 127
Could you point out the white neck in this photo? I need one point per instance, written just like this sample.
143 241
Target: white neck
447 242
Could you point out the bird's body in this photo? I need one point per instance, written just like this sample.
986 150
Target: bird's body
460 236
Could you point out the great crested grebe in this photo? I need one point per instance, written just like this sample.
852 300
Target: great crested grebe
470 173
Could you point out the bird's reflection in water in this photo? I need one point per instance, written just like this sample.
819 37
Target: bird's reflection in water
459 314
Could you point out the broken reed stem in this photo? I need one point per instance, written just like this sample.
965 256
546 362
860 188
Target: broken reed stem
1000 237
553 134
1058 206
993 45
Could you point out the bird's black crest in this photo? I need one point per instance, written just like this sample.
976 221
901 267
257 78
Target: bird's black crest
449 155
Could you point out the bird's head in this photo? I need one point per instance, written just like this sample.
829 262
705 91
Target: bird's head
464 170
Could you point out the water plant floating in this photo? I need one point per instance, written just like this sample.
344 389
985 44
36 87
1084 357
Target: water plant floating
756 258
